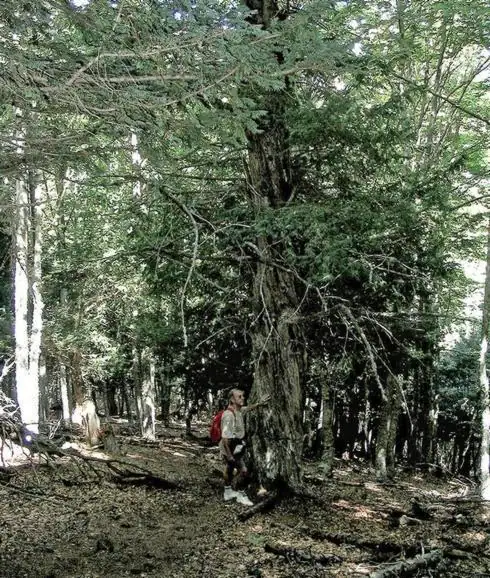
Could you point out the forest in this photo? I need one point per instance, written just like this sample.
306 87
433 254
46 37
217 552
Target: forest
284 198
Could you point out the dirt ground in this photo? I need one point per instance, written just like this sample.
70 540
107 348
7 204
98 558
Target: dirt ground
71 518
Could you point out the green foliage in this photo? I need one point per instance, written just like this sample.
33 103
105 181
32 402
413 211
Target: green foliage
457 380
382 166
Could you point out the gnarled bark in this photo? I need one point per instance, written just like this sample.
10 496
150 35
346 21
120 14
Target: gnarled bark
278 345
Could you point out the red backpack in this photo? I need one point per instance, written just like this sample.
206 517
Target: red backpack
215 430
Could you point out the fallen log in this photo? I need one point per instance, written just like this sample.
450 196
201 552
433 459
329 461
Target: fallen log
408 567
265 506
294 554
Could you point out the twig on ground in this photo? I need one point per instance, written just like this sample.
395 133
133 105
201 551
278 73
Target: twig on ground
302 556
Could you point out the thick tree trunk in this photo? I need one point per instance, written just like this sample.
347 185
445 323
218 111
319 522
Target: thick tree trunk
278 344
278 370
484 386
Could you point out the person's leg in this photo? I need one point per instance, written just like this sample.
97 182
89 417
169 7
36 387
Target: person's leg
241 480
241 484
229 493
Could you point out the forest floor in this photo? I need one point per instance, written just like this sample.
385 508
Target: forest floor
73 518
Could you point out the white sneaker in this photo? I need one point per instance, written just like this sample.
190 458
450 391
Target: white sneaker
243 499
230 494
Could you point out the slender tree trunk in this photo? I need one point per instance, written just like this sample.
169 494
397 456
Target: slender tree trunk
144 382
484 386
29 413
148 396
328 444
387 431
28 331
110 398
125 402
395 398
84 412
413 445
65 403
165 397
28 301
137 382
43 390
36 296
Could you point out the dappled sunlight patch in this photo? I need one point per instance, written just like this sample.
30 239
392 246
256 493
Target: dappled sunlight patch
364 513
258 528
475 537
359 511
351 570
374 487
176 453
14 454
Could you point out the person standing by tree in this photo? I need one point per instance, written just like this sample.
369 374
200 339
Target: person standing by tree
232 446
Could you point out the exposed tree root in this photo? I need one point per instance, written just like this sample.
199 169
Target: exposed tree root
294 554
265 506
341 538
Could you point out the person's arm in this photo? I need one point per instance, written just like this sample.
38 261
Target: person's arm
252 406
227 433
226 447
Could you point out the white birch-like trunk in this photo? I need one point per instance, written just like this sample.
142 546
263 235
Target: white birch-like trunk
148 395
21 300
63 380
27 239
137 164
484 386
145 392
65 404
37 307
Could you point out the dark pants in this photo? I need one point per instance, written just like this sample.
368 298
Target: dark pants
238 463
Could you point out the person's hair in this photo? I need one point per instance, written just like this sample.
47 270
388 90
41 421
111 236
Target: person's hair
232 393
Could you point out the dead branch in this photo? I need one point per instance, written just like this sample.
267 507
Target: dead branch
294 554
407 567
369 349
126 474
123 472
